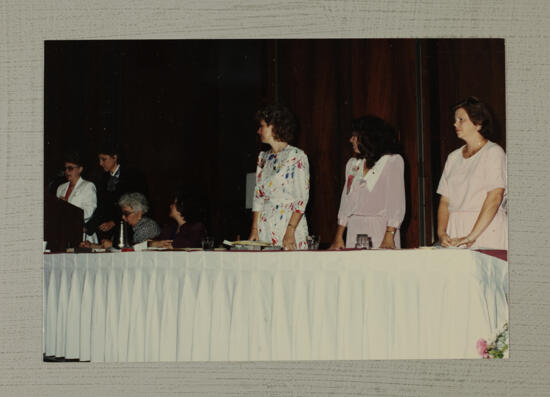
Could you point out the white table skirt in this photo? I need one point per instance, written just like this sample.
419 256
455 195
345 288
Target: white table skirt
180 306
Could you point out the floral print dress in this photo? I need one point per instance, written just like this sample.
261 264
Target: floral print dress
282 188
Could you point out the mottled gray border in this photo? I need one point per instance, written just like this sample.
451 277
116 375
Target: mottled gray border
25 24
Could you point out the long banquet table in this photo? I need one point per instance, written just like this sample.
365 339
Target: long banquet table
312 305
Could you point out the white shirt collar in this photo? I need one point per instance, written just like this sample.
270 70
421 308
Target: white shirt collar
372 176
115 171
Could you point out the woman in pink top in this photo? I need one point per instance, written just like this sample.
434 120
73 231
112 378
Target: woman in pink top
373 199
472 211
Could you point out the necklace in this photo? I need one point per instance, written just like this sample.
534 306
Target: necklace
470 152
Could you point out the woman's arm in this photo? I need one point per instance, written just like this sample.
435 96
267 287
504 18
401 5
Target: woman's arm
289 239
88 200
485 217
388 241
300 183
338 242
442 221
160 244
395 200
254 228
257 200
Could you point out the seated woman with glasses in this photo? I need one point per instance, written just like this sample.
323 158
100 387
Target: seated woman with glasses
78 191
134 206
187 228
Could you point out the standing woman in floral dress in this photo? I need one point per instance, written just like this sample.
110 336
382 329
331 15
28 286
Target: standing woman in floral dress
282 183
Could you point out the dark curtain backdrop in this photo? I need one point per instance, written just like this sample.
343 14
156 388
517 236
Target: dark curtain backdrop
183 111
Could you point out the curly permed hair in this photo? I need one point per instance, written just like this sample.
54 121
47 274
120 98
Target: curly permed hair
282 120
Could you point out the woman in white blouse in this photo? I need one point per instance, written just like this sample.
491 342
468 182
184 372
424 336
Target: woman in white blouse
373 199
78 191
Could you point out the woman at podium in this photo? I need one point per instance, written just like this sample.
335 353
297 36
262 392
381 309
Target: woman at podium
78 191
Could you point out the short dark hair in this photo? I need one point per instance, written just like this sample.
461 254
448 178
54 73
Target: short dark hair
282 120
73 157
479 114
109 147
191 206
376 137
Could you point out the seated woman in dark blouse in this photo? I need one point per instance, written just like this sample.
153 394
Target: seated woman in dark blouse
187 228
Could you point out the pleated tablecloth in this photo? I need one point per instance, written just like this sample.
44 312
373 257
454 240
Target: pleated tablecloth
318 305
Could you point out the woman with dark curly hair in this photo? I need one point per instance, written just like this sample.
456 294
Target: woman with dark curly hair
471 210
373 199
282 183
187 228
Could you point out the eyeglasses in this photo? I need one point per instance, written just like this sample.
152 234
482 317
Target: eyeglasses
127 213
69 167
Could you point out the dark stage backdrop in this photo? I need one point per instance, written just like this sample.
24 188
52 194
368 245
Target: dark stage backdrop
183 113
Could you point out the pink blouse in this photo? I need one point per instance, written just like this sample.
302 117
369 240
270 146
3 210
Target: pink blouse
372 202
466 182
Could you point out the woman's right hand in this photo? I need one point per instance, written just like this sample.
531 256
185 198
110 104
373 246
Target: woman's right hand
337 244
445 240
254 236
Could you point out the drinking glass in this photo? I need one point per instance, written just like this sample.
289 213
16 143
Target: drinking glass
313 242
207 243
363 241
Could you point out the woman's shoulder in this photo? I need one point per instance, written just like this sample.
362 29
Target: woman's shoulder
293 155
352 162
494 148
353 165
194 226
294 151
86 183
62 187
396 158
263 155
147 222
455 154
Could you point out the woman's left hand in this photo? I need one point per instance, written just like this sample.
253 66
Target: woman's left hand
459 241
160 244
387 241
106 226
289 241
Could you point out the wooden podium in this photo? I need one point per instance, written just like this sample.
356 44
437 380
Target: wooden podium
63 223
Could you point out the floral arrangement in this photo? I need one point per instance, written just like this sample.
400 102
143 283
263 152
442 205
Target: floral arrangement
496 349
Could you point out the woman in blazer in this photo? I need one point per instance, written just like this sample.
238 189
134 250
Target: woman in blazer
78 191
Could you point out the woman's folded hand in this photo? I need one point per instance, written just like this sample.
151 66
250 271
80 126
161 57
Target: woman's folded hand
445 240
254 235
161 244
289 240
462 241
337 244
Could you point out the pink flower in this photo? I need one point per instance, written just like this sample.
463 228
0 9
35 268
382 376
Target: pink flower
348 186
481 347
